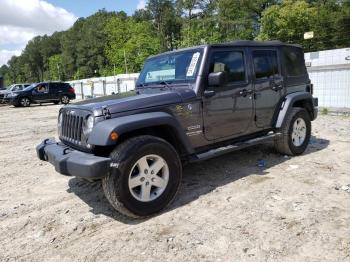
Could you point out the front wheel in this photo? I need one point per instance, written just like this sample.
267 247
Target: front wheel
145 176
24 101
296 132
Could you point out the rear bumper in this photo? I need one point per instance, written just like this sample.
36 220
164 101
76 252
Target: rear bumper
70 162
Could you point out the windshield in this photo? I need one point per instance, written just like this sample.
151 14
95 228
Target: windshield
174 67
15 88
10 87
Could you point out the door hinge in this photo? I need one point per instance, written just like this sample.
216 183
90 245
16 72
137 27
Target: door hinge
255 118
106 113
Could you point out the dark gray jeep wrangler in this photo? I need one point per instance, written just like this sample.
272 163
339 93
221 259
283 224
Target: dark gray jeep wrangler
189 105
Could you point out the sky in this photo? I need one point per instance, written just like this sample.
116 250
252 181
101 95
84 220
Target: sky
21 20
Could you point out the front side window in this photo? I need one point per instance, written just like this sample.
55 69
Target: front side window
173 67
231 62
42 88
265 64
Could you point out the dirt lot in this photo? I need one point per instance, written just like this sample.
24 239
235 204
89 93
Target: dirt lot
228 209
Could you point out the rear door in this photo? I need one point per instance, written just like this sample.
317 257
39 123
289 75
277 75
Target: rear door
229 112
268 85
55 91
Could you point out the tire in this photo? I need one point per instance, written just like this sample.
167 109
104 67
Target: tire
65 100
120 192
296 132
24 101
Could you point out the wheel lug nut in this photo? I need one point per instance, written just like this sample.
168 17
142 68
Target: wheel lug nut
153 179
142 179
146 171
152 172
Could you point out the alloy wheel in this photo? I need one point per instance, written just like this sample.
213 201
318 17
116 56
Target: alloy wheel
148 178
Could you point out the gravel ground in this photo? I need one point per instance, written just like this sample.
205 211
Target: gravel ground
228 208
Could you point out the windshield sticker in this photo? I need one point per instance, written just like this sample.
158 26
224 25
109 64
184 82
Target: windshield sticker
193 64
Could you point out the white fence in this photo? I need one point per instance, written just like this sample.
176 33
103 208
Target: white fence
102 86
329 71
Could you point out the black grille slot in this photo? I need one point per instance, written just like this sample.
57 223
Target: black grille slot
71 127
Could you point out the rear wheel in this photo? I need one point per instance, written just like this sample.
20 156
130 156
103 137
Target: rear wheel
24 101
296 132
65 100
146 176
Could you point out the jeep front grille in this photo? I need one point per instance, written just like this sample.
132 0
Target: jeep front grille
71 127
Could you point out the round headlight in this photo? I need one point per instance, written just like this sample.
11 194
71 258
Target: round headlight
89 124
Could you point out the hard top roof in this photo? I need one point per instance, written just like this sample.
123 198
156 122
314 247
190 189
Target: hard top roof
254 43
240 43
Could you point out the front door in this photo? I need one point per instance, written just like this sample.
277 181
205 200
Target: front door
229 111
41 93
268 85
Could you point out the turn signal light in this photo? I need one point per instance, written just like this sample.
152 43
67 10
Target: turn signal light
114 136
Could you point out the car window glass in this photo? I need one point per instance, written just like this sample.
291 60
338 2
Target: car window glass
265 64
54 86
231 62
42 88
295 63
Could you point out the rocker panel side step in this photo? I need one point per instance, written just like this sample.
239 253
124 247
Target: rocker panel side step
234 147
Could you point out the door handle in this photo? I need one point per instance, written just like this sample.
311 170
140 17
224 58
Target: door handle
209 93
245 92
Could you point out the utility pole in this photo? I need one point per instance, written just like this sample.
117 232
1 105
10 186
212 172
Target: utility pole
126 65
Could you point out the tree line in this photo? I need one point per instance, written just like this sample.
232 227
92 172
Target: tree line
108 43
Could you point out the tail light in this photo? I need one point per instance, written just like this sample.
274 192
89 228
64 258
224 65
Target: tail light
71 90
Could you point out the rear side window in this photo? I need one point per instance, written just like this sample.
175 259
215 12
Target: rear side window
294 61
231 62
57 86
265 64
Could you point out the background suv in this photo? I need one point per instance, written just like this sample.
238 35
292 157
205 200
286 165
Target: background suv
44 92
12 88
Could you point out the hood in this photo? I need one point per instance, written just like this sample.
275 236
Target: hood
140 99
4 92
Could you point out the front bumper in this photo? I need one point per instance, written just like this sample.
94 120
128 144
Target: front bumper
70 162
11 100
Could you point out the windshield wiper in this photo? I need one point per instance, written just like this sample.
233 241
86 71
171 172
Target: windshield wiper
165 83
140 85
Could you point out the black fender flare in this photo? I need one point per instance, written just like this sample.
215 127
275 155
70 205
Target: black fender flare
100 135
288 103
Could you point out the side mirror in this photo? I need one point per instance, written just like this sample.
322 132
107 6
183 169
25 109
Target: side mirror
217 79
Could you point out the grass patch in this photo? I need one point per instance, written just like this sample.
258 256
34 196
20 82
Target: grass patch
324 111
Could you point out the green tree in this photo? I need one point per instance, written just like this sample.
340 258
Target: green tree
129 44
166 22
289 21
55 68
